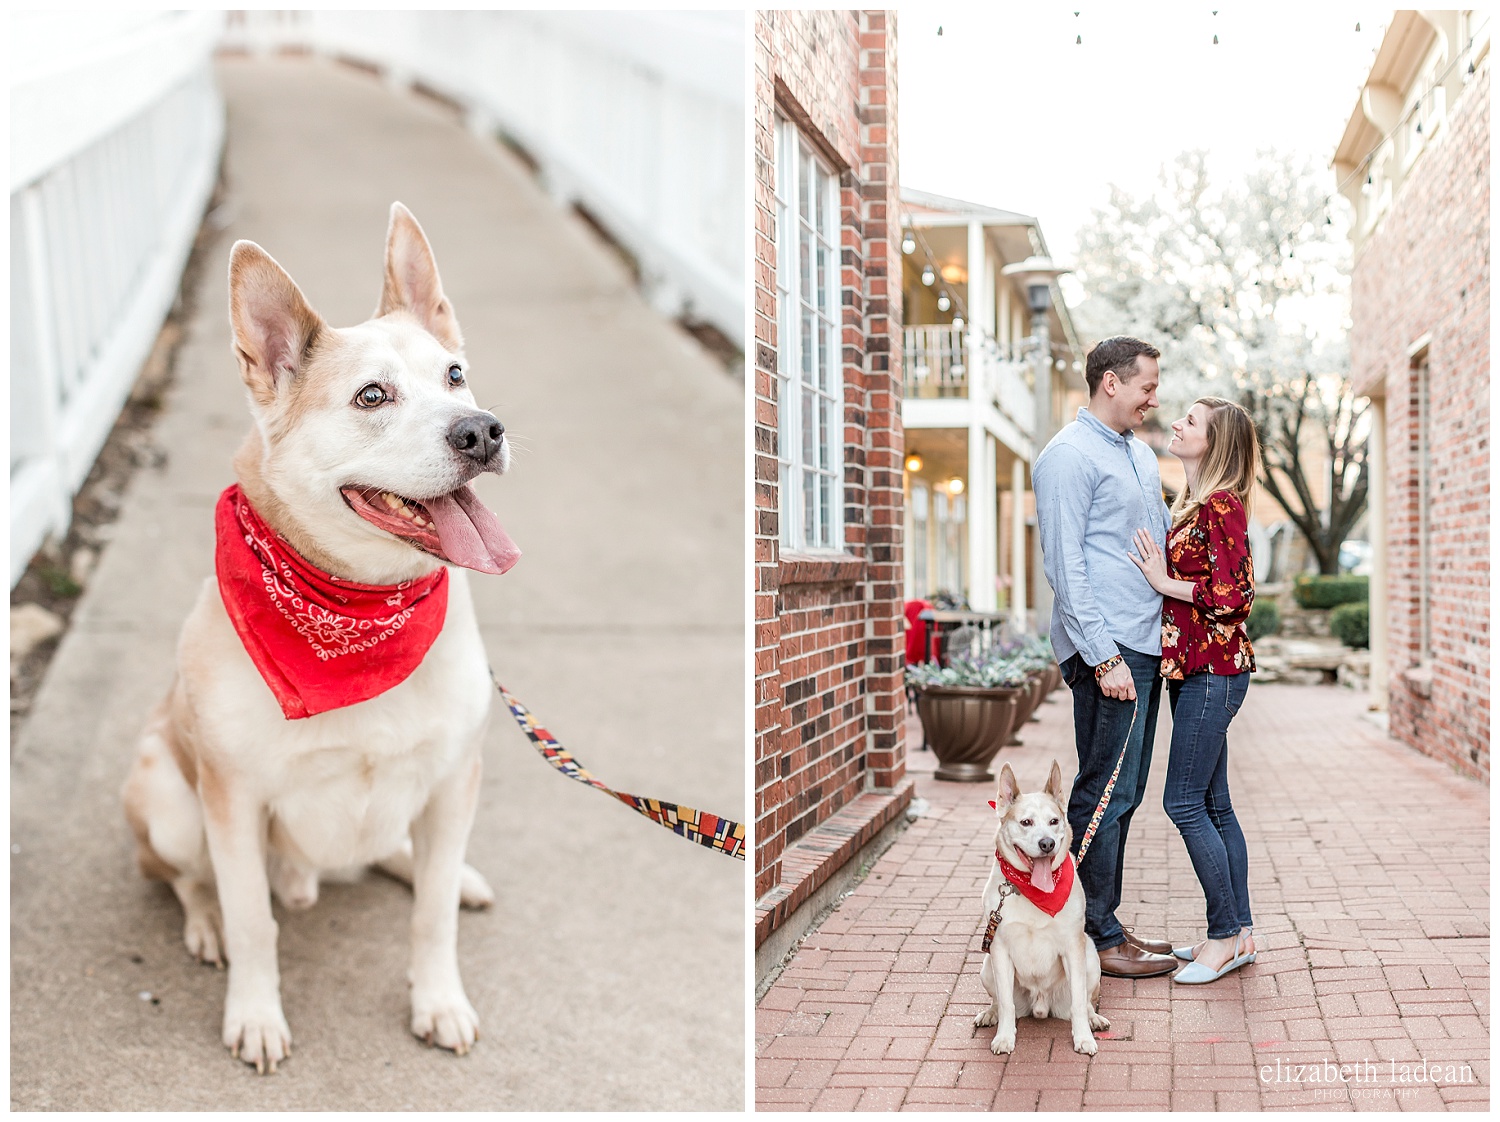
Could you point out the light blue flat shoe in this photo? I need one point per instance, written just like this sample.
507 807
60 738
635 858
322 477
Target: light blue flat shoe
1196 974
1184 953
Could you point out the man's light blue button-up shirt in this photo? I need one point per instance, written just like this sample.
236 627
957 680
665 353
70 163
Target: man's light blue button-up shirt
1094 488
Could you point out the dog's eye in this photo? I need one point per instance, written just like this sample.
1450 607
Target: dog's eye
1026 822
1053 822
371 396
455 375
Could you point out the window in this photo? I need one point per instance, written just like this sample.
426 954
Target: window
809 377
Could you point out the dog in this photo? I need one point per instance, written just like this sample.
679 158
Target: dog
1040 961
278 756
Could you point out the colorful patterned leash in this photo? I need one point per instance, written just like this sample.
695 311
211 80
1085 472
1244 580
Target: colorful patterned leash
696 825
1109 788
993 923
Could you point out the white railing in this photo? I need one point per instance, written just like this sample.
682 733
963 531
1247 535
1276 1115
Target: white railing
1011 383
636 116
116 132
941 360
936 362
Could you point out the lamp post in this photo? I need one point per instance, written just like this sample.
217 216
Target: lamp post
1036 275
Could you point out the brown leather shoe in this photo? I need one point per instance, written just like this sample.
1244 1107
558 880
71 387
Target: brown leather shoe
1155 946
1129 961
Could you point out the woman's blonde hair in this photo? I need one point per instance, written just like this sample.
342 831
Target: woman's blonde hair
1230 462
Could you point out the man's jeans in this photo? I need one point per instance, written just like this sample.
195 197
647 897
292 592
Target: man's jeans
1099 727
1197 795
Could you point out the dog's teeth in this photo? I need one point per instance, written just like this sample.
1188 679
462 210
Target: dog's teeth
419 520
406 512
391 500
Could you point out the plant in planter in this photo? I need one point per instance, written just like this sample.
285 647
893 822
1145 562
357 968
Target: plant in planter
968 709
1033 653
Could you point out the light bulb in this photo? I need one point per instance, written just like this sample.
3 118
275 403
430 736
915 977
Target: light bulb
944 303
908 244
913 462
928 276
955 486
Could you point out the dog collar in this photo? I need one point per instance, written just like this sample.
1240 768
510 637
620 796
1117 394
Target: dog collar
319 642
1050 902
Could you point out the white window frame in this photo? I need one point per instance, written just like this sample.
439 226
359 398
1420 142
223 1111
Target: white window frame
810 379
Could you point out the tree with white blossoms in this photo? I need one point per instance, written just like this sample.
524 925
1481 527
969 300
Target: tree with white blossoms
1245 288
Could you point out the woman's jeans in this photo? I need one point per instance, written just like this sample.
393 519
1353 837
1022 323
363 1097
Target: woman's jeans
1197 794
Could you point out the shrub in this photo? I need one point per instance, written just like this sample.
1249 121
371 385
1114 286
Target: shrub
1350 624
1265 619
1329 592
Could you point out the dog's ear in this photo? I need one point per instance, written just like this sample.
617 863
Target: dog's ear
1054 784
274 326
411 280
1006 794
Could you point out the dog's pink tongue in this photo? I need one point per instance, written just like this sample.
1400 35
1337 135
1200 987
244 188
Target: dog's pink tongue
470 533
1042 878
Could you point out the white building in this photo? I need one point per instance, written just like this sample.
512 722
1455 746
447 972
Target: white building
985 388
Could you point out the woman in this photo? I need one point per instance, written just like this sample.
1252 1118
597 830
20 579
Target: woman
1207 582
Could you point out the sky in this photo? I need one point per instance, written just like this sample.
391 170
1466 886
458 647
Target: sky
1005 108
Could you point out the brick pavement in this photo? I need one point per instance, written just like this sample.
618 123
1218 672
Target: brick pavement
1369 879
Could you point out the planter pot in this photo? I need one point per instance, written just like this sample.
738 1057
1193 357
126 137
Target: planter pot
966 726
1054 678
1026 704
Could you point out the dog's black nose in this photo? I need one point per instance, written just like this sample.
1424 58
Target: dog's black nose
1046 845
476 435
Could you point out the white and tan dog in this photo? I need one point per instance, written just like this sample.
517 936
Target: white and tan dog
364 444
1040 962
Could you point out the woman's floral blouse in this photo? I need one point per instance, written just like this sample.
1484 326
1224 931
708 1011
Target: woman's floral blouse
1213 552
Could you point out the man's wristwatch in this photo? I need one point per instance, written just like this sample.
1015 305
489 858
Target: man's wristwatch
1107 665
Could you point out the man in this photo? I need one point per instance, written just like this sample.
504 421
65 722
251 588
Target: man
1095 486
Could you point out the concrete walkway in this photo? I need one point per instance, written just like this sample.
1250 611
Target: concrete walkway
1369 880
610 975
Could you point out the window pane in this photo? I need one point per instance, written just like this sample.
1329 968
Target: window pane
821 190
809 510
809 430
809 349
825 441
785 505
831 368
825 528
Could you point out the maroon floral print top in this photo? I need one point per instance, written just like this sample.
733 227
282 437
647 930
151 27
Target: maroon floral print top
1213 552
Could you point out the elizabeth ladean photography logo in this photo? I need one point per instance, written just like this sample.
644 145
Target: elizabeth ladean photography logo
1366 1078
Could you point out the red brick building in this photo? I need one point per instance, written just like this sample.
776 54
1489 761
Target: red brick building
829 699
1414 161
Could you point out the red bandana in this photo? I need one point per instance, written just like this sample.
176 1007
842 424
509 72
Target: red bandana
1050 902
319 642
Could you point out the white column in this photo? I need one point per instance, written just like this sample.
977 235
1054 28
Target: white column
974 504
1379 599
1018 543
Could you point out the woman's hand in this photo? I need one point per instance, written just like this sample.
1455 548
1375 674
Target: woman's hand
1152 562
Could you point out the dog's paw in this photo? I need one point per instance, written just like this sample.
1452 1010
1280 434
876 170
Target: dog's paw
1004 1043
202 933
1085 1045
257 1033
445 1019
473 890
1098 1023
986 1018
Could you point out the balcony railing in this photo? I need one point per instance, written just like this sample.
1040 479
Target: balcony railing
936 361
942 361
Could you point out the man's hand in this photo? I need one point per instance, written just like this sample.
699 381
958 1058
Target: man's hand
1119 683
